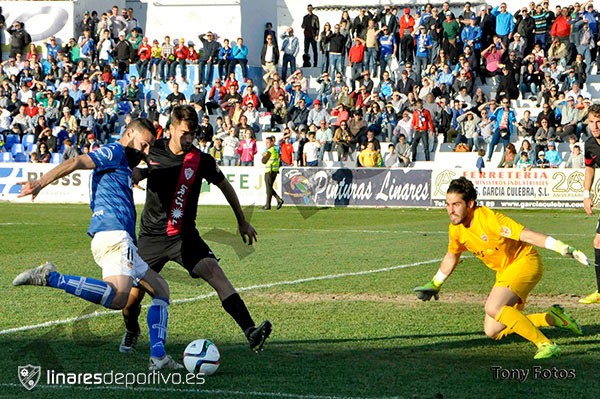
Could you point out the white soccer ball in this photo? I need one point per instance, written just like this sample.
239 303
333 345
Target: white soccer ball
201 356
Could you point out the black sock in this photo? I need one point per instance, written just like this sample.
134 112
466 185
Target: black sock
131 318
234 305
597 264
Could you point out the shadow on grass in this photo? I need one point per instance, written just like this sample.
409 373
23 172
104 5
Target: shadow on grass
415 366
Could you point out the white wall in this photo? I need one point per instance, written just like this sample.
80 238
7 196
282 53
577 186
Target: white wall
42 19
181 18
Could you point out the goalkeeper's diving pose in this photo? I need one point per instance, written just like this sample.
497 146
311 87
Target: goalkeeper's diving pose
506 247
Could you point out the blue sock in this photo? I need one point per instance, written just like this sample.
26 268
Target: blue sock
90 289
157 319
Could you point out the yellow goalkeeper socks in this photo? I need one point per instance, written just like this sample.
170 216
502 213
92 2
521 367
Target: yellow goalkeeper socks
522 325
537 319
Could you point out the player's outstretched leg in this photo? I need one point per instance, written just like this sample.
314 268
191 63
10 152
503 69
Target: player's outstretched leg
90 289
501 314
209 270
553 317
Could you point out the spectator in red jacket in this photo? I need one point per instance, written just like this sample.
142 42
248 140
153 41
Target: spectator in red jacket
422 123
215 97
182 54
286 148
407 43
356 57
561 27
144 54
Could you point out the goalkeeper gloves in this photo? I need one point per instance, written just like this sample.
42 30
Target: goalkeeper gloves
566 250
425 292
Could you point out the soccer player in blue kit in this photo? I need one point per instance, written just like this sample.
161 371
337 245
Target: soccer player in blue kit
112 229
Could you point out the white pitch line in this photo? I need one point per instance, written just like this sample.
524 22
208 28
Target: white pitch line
198 391
52 323
362 231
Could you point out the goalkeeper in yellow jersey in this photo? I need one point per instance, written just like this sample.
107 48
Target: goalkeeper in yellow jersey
506 247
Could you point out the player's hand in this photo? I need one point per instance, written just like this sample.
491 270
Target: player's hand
425 292
587 205
247 232
578 255
571 252
32 187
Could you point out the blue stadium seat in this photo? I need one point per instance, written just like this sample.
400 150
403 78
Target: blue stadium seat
11 139
28 140
6 157
56 157
17 148
21 157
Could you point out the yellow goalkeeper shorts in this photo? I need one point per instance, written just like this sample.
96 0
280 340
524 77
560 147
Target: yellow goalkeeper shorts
521 277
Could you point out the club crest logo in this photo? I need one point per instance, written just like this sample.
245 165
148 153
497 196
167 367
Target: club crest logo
29 376
484 238
188 173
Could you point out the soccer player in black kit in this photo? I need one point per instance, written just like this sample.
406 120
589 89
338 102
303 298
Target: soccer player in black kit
168 228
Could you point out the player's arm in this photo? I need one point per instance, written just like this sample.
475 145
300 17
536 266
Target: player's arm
246 230
138 174
33 187
432 288
590 172
545 241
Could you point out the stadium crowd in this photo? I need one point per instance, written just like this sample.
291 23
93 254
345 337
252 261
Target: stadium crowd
386 75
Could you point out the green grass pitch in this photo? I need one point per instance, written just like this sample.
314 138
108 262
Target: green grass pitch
336 283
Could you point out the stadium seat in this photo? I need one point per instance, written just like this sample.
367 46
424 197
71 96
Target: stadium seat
17 148
28 141
6 157
11 139
56 157
21 157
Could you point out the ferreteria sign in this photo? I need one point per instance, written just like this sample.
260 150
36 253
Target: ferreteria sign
356 187
513 188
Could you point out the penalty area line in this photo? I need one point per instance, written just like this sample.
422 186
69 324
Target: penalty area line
198 391
93 315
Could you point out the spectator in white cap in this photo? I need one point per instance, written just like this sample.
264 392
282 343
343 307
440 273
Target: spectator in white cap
124 54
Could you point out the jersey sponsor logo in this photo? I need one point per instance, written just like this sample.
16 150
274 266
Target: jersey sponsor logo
98 213
505 231
188 173
176 214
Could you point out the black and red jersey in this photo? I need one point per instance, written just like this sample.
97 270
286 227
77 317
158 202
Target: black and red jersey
591 153
172 189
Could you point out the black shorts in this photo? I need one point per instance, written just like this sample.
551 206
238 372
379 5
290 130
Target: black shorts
185 249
